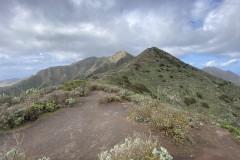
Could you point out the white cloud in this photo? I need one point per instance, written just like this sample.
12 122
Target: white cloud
70 30
229 62
213 63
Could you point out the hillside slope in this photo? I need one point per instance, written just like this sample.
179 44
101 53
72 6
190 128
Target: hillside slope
226 75
180 85
58 75
9 82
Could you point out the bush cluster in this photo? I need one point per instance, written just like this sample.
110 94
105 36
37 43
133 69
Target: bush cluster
69 86
226 98
231 129
189 101
109 99
205 104
136 148
199 95
15 154
163 118
14 117
103 87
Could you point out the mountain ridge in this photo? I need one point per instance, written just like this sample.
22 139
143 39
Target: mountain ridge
226 75
58 75
158 73
9 82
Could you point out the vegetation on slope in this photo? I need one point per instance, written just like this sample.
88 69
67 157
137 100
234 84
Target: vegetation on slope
179 85
168 94
15 111
54 76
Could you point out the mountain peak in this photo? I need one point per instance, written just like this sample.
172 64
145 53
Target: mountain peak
119 55
153 51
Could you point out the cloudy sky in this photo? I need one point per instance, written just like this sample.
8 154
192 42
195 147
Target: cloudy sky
36 34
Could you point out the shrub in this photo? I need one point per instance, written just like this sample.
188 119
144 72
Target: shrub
33 112
139 98
59 98
226 98
15 154
136 148
171 76
82 91
12 117
189 101
70 101
170 121
199 95
68 86
231 129
205 105
141 114
161 65
6 99
163 118
125 94
109 99
50 106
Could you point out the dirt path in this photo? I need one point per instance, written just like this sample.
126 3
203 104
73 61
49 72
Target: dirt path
81 132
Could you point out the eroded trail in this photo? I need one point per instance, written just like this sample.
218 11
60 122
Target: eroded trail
81 132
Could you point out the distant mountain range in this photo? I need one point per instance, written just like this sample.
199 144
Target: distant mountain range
9 82
58 75
226 75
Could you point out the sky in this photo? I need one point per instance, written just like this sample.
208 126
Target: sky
37 34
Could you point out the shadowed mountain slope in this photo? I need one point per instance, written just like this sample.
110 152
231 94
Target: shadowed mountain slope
58 75
9 82
180 84
226 75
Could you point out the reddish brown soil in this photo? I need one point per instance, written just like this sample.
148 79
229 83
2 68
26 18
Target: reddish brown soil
82 132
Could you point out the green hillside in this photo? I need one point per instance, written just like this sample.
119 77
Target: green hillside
180 85
58 75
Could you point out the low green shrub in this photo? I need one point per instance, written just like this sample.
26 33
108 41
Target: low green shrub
226 98
163 118
82 91
6 99
205 105
109 99
69 86
70 101
15 154
136 148
50 106
33 112
189 101
125 94
231 129
199 95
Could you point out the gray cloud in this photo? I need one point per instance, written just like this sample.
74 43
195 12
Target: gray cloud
64 31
